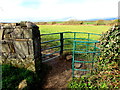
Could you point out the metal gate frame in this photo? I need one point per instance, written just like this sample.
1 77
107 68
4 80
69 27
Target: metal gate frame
84 51
62 44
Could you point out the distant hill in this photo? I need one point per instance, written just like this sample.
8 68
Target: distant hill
60 19
93 19
101 19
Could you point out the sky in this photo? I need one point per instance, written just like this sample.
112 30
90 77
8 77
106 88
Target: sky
48 10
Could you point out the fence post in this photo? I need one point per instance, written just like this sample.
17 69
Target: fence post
61 43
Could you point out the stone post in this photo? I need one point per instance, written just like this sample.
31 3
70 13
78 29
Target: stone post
21 45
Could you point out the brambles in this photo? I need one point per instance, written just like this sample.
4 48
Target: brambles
116 21
109 64
110 45
108 67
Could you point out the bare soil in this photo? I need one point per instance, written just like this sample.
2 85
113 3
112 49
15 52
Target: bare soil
59 75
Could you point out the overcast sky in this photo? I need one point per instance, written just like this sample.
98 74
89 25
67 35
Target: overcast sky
17 10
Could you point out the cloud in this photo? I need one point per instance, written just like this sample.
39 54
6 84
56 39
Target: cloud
17 10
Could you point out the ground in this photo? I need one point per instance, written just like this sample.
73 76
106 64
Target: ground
61 72
59 75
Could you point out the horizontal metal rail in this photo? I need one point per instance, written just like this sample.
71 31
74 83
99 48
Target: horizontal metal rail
81 70
78 38
87 52
87 41
84 61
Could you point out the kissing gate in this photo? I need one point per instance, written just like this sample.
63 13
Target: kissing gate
82 45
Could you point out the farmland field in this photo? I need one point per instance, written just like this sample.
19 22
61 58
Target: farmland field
45 29
72 28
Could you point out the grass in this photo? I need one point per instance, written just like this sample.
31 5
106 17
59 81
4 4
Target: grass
12 76
45 29
89 22
72 28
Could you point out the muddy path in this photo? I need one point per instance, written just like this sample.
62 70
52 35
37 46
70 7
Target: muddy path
59 75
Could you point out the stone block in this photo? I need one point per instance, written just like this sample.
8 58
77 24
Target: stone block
20 45
1 34
27 33
21 48
5 48
30 48
7 33
18 33
77 65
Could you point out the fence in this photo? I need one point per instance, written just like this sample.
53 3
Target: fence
84 58
63 40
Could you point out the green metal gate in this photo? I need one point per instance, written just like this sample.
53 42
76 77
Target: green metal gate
63 44
84 48
84 55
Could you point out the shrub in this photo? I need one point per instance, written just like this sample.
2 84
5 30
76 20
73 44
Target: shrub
53 23
108 66
42 23
73 22
110 44
116 21
100 22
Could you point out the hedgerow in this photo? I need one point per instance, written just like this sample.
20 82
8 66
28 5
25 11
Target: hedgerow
108 65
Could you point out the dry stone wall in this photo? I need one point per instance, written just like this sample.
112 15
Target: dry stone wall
21 45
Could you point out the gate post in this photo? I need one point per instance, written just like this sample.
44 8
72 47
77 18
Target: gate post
61 43
21 46
37 54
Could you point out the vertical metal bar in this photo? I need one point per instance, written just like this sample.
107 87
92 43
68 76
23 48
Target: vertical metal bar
88 43
74 35
88 55
93 58
88 36
73 58
61 43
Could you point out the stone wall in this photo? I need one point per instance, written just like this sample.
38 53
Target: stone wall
21 45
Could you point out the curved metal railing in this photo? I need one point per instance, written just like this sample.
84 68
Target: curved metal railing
61 38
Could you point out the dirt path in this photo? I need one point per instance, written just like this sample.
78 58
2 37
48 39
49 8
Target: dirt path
60 74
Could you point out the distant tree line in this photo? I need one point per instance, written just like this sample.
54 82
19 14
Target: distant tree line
77 22
73 22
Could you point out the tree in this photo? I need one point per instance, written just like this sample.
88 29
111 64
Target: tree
53 23
100 22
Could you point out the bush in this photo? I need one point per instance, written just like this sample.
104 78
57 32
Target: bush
108 67
73 22
110 44
53 23
100 22
116 21
42 23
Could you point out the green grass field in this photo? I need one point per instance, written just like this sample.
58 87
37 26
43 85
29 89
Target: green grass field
72 28
45 29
